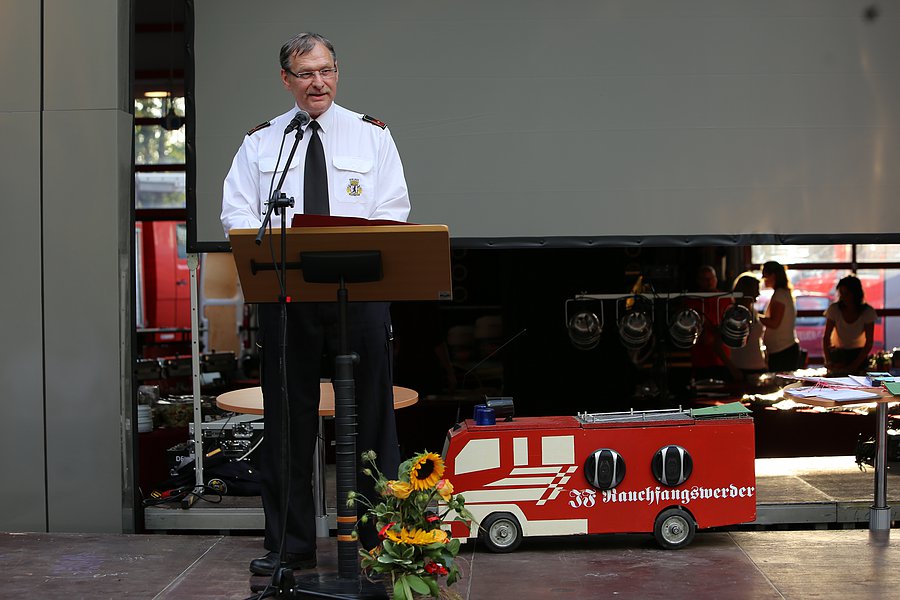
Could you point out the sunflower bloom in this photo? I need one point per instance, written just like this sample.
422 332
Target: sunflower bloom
426 471
417 537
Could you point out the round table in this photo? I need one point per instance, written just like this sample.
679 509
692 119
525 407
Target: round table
250 400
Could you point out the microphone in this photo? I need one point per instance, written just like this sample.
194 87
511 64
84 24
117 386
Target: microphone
300 120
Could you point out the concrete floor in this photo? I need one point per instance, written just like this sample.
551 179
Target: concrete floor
844 564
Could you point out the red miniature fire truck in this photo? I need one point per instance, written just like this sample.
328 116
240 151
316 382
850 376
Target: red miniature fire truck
668 472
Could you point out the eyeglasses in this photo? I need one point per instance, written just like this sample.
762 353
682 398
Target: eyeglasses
328 73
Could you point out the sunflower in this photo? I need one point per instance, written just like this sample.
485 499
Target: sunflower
427 469
416 537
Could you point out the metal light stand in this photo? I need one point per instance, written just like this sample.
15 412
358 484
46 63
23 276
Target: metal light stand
193 263
660 366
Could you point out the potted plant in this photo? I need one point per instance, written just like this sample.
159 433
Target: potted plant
415 550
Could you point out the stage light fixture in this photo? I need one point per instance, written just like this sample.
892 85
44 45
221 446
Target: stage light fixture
584 329
635 328
685 328
735 327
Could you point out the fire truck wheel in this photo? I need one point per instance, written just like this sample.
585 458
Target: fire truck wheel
501 532
674 529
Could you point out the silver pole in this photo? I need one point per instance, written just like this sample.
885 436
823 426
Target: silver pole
193 264
880 513
319 484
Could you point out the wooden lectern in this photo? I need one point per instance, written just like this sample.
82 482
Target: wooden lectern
324 264
415 261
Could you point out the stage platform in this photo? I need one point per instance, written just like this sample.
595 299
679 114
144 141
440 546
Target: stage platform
829 491
755 565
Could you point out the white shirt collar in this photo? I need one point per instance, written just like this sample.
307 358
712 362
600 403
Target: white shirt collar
325 119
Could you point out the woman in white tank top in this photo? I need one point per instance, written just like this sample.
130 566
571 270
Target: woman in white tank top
780 339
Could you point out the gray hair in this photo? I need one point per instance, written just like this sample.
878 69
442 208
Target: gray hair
301 44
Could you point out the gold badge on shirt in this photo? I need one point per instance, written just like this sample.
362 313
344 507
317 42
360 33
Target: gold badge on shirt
353 188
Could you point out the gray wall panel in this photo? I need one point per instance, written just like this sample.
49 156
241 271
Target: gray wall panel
84 198
20 55
85 54
22 495
66 316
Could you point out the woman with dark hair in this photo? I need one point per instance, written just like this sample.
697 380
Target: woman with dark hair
782 346
849 329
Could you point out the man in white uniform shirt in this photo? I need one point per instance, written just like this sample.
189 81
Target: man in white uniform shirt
364 179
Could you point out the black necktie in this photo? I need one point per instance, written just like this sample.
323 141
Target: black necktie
315 178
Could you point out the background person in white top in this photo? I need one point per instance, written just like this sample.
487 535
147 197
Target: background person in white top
779 337
849 329
364 179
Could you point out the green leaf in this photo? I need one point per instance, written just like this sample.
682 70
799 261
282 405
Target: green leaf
417 585
433 586
386 558
453 576
453 547
407 552
403 469
399 587
407 593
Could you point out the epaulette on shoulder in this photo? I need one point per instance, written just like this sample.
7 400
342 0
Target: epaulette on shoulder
258 127
374 121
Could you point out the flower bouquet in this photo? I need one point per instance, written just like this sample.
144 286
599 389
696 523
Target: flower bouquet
415 549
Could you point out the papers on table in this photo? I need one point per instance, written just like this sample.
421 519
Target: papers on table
845 390
852 381
843 394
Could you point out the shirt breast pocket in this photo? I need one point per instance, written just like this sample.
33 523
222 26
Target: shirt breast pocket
268 176
354 181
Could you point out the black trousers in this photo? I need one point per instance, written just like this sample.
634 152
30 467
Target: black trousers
312 343
785 360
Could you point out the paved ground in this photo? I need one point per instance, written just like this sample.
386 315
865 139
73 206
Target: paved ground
844 564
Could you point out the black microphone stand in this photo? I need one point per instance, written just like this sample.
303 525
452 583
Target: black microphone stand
280 202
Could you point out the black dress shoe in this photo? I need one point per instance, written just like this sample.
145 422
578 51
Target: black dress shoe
266 565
